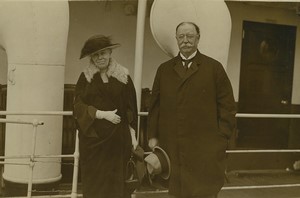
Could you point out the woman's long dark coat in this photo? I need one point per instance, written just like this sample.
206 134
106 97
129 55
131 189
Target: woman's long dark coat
192 113
104 147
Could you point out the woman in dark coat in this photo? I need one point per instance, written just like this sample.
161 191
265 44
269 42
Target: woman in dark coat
105 110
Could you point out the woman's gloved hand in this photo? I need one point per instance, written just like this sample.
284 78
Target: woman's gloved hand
109 115
133 138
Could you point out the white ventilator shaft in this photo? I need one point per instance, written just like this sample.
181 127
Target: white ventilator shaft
34 36
212 17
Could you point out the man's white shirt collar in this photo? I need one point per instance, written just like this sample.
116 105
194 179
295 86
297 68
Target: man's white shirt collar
190 57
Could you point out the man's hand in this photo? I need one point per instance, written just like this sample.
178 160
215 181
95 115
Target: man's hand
109 115
152 143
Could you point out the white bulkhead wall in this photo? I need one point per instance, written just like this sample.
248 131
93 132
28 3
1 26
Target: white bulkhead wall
34 35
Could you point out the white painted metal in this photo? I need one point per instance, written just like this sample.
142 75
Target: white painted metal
139 48
76 167
32 163
34 36
68 113
215 29
76 158
139 53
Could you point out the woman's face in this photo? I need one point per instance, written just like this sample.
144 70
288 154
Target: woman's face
101 58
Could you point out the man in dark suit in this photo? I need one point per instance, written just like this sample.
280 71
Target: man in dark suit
192 116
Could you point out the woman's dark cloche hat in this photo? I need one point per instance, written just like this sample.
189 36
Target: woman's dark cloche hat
97 43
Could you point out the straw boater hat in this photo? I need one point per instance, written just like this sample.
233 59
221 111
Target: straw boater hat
97 43
158 163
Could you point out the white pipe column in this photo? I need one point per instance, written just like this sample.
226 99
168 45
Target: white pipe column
139 50
34 35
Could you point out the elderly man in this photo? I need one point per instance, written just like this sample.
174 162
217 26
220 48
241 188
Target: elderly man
191 116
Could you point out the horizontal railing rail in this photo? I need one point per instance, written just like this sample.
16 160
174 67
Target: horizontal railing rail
69 113
74 193
35 123
33 157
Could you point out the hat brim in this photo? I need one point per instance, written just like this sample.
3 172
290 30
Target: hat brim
165 175
113 46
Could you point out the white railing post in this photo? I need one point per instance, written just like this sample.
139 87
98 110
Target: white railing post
76 167
35 124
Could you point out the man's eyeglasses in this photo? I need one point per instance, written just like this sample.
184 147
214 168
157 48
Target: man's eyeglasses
188 36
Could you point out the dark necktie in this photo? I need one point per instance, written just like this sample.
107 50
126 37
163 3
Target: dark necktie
186 63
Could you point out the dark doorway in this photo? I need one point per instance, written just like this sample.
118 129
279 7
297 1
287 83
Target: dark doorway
265 84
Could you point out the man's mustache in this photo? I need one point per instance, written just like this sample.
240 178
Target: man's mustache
186 46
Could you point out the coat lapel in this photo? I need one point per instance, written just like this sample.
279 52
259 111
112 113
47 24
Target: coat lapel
184 75
178 67
193 68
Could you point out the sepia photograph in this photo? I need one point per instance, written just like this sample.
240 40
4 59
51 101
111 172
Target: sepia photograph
150 98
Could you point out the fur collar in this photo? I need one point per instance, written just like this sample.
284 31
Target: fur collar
114 70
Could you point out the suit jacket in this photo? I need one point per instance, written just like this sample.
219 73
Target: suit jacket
192 113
